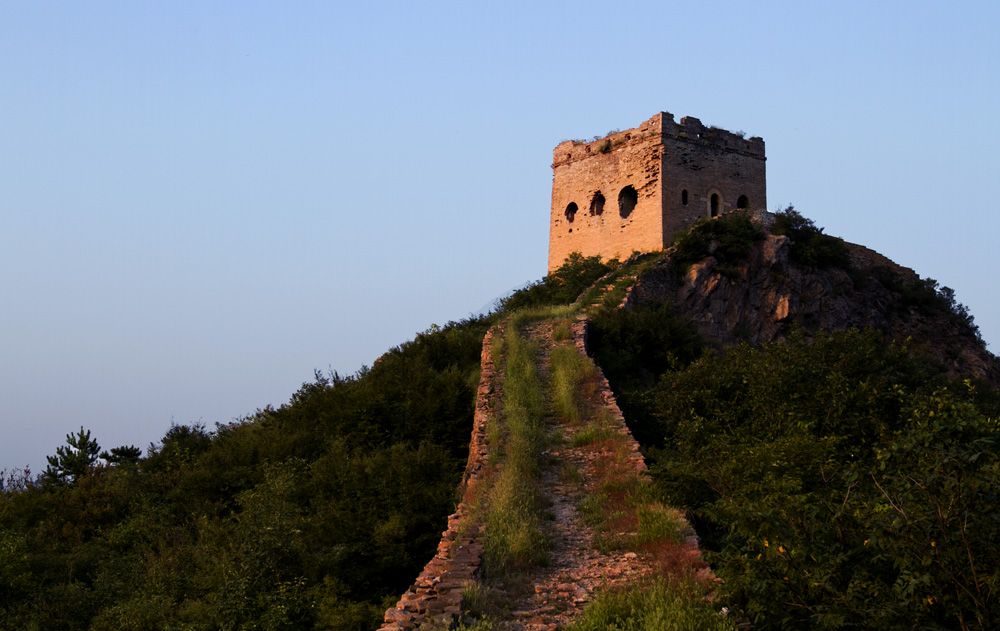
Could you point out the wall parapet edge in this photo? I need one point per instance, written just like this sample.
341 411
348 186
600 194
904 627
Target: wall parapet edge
435 597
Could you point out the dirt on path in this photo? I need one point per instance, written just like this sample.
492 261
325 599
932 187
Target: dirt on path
578 567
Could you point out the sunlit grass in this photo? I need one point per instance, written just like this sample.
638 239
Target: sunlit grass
573 379
514 538
677 605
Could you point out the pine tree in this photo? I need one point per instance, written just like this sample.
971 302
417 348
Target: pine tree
72 460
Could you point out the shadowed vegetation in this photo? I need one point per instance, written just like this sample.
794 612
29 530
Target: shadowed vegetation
313 515
840 483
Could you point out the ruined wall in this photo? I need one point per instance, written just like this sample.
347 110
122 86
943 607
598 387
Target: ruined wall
435 600
435 597
675 169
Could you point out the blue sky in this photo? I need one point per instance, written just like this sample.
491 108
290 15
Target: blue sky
202 203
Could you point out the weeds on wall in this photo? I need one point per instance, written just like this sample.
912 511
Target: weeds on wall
514 538
561 287
574 382
660 605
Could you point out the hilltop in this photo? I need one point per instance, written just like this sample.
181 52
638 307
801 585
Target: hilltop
789 276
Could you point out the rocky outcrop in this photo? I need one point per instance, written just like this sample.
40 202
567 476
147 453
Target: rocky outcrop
771 296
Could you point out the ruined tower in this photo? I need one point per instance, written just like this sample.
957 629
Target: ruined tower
633 189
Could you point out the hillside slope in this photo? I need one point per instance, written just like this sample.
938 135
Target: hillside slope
825 418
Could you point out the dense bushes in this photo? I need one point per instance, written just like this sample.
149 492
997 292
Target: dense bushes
929 298
728 238
562 286
305 516
313 515
809 245
635 347
841 484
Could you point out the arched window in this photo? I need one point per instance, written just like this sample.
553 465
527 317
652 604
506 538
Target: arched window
597 203
743 202
714 205
627 199
684 197
571 211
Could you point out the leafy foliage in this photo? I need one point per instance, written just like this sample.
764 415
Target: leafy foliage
636 347
728 238
305 516
809 245
840 483
562 286
313 515
125 455
927 296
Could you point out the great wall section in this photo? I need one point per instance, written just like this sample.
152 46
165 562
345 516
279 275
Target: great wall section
660 176
666 175
577 570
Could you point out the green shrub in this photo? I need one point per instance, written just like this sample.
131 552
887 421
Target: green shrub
302 516
634 347
929 298
809 246
728 238
837 484
562 286
660 606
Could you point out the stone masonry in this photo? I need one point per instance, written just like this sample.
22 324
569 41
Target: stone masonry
435 597
633 189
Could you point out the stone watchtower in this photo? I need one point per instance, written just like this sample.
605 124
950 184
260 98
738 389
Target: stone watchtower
633 189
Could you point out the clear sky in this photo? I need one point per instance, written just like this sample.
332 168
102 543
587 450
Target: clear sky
203 202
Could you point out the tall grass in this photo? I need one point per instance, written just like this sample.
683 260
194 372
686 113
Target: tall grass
514 538
659 606
573 382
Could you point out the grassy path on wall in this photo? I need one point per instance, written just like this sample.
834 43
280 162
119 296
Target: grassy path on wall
575 535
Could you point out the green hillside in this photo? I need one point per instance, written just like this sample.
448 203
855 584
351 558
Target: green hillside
313 515
839 479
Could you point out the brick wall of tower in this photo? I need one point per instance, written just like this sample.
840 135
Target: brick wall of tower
580 170
702 161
